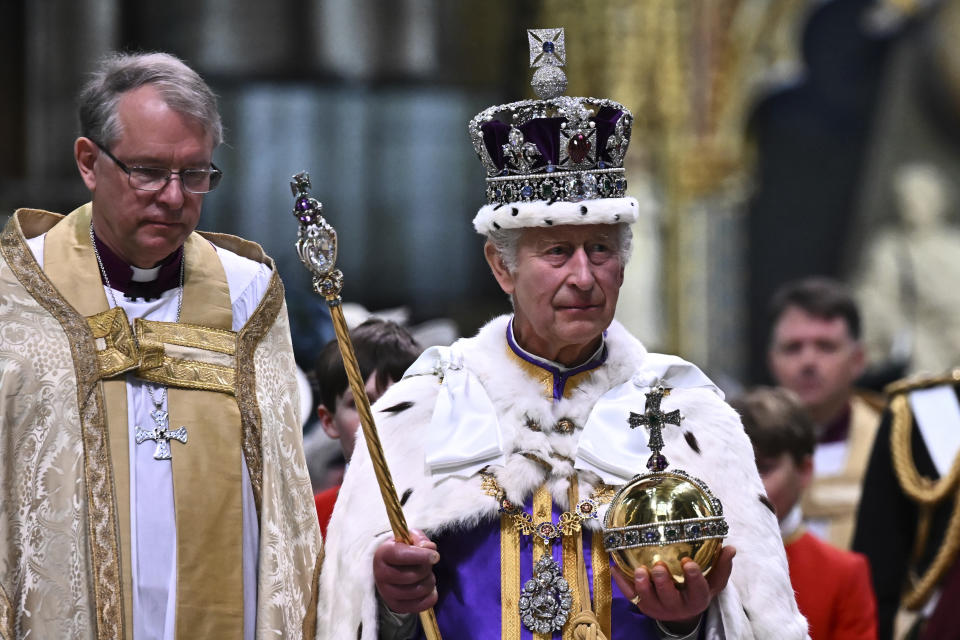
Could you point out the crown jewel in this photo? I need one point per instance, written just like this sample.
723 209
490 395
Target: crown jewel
555 148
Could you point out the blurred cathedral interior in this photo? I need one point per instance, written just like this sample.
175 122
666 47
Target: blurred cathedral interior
773 139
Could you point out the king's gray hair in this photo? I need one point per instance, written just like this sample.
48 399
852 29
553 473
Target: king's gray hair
507 242
181 88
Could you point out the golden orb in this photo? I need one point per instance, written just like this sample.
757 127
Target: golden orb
664 516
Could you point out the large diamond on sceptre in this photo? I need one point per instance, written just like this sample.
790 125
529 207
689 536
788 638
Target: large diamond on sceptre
317 248
663 515
316 240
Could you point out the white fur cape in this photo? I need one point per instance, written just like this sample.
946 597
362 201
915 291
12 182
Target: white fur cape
758 602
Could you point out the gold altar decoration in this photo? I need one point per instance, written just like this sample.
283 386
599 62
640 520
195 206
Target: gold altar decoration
690 72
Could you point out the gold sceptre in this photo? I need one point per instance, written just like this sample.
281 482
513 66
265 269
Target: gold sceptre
317 248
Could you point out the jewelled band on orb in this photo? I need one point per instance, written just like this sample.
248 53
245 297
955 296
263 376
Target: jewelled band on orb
662 533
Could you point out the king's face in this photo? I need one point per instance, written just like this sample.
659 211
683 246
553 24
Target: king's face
565 289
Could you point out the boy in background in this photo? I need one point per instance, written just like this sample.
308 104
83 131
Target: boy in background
384 351
833 586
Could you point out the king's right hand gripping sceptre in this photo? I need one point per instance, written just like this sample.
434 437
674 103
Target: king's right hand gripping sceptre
317 247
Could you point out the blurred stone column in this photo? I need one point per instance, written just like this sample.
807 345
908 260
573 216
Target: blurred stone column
358 39
64 39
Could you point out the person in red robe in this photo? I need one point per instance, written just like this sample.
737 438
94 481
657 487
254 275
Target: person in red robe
833 586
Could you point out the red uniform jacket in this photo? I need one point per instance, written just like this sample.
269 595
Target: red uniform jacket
833 590
325 501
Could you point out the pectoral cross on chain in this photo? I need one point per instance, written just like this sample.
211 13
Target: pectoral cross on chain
655 420
161 434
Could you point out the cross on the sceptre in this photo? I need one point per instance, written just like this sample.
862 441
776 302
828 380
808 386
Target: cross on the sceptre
655 420
161 434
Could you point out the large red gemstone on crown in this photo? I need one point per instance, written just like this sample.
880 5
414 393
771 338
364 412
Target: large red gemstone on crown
578 148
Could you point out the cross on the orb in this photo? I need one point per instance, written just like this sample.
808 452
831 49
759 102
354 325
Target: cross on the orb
655 420
161 434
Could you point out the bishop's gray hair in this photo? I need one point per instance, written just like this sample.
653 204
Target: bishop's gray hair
507 242
181 88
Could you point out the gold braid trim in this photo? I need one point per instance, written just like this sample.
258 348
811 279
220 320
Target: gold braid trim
310 618
584 622
248 339
927 493
921 489
509 579
944 559
602 589
6 616
921 382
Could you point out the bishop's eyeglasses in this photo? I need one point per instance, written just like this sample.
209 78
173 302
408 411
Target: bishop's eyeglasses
156 178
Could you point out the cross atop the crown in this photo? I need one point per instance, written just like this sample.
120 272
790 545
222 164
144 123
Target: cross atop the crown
546 47
655 420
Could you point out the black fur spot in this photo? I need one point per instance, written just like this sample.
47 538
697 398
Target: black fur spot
397 408
547 221
496 226
514 211
406 496
583 210
766 502
692 441
617 217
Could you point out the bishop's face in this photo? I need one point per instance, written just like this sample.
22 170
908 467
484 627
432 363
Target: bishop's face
565 288
144 227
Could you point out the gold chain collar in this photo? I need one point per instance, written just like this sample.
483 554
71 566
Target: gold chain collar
568 523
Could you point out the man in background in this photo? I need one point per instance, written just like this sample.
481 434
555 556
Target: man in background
815 351
832 585
384 350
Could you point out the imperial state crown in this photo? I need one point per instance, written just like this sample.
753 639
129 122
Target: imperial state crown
556 160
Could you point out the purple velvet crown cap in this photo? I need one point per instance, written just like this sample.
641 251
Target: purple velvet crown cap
545 134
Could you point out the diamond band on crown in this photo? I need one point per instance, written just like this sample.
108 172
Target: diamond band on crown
572 186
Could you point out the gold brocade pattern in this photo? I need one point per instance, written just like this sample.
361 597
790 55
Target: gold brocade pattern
509 579
60 567
290 543
248 339
119 352
572 575
51 450
602 588
191 374
180 372
6 615
187 335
